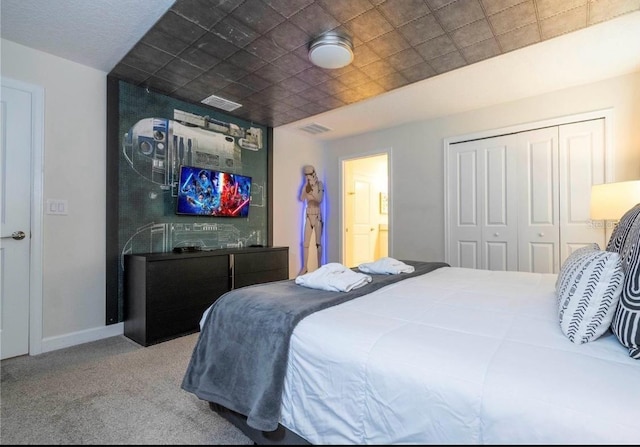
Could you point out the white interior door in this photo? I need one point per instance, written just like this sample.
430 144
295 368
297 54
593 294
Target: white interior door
15 191
360 234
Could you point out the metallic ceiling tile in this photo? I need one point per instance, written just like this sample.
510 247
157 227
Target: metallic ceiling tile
199 58
294 85
564 22
379 69
314 20
234 32
389 44
518 38
200 12
179 71
472 33
512 18
448 62
405 59
459 13
400 12
392 81
436 47
481 51
345 11
245 60
165 42
549 8
257 15
179 27
601 11
421 30
494 6
147 58
369 25
256 51
215 46
288 7
364 55
418 72
295 101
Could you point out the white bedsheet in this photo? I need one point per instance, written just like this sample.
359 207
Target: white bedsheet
457 356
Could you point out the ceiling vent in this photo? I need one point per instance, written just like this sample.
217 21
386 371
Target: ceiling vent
314 128
221 103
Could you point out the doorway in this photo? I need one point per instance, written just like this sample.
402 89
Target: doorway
22 123
366 201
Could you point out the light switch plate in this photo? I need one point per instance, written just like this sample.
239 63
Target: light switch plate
57 206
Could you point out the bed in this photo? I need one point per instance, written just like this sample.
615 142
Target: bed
444 355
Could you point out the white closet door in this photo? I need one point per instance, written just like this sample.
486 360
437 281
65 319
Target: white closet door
500 206
464 215
582 164
521 201
539 209
483 205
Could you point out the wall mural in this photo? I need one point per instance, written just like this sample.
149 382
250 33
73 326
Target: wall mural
224 158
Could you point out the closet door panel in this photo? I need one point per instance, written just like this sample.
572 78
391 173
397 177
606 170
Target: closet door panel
541 256
499 229
538 227
467 253
464 213
582 164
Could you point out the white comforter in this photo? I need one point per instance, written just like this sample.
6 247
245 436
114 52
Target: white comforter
457 356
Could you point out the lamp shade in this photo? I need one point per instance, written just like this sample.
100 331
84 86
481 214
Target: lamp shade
331 51
609 201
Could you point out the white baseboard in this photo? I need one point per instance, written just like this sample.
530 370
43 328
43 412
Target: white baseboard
77 338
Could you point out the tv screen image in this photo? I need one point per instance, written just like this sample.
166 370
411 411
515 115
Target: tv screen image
207 192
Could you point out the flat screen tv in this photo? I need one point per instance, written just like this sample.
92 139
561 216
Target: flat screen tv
207 192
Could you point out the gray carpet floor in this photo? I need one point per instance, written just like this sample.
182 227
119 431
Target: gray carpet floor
111 391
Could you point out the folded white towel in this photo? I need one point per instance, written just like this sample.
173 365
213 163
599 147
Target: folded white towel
386 266
333 276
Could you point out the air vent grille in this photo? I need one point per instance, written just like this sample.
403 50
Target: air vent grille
221 103
315 128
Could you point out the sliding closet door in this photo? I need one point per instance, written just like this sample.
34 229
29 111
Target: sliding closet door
582 164
539 209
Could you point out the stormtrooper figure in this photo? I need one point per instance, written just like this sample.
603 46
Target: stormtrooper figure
313 192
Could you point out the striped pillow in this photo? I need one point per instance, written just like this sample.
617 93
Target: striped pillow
620 232
626 322
588 290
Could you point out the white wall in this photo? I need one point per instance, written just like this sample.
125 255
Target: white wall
73 301
417 190
292 151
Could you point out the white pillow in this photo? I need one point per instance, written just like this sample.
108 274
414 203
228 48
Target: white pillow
588 290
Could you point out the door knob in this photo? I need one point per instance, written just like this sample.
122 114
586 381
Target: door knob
540 234
496 234
17 235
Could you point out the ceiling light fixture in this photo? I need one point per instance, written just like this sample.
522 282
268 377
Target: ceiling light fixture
331 51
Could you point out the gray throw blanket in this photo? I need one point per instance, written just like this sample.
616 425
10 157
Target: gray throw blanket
240 358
